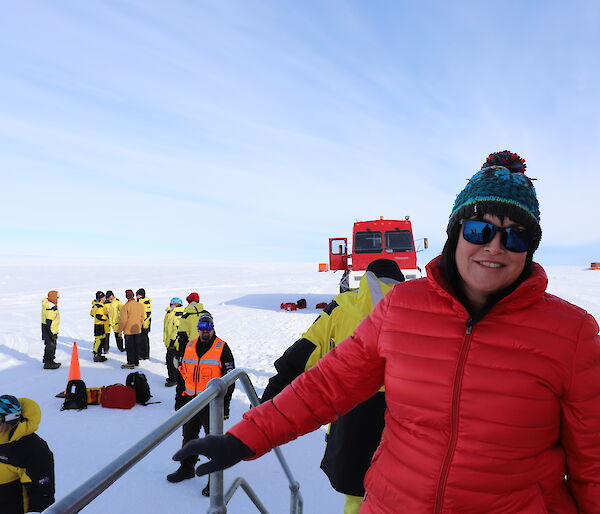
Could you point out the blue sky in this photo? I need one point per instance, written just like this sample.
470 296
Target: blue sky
247 130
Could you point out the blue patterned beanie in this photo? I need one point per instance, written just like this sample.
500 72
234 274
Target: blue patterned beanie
500 188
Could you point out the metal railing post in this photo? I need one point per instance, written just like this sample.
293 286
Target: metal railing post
215 480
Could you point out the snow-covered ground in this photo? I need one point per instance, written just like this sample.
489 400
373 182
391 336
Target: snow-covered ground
244 300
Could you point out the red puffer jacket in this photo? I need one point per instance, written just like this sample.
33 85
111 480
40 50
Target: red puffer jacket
482 419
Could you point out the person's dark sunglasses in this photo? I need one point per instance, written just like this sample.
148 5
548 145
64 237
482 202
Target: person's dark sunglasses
205 326
478 232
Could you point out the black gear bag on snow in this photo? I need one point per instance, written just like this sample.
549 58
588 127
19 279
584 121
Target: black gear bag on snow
75 395
139 382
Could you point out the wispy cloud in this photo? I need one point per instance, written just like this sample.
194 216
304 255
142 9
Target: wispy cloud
255 129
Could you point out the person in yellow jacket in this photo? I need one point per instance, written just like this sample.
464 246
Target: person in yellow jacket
171 321
353 437
188 326
140 296
26 462
101 325
113 306
50 323
204 358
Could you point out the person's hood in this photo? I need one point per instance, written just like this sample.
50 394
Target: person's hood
47 304
370 290
32 415
194 307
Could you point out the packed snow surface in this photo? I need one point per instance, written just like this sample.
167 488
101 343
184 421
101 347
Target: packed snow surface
244 300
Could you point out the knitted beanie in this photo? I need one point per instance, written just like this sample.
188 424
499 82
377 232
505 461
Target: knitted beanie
141 292
500 188
193 297
53 297
206 317
386 268
99 295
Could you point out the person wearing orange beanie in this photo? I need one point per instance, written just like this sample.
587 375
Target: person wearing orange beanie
50 323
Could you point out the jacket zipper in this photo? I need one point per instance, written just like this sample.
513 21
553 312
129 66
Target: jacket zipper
439 497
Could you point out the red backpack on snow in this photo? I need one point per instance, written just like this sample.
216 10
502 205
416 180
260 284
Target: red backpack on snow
118 396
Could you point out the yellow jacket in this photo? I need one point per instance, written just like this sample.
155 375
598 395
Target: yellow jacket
113 307
100 315
25 459
50 317
338 323
188 326
147 304
171 326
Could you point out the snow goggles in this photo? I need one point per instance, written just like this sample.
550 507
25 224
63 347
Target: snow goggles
478 232
205 326
11 418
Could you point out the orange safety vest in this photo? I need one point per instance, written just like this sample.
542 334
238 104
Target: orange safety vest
196 372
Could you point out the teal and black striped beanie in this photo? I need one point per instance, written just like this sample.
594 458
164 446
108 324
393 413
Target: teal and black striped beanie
500 188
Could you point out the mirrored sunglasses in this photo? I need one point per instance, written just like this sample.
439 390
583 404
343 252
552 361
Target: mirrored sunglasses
478 232
206 326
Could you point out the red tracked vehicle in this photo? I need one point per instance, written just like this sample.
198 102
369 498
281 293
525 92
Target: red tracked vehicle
371 240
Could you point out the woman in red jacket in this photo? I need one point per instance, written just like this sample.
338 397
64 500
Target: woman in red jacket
492 384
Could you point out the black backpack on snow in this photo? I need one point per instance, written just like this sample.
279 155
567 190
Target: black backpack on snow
75 395
139 382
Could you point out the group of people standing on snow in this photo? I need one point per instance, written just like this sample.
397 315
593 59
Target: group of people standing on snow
130 323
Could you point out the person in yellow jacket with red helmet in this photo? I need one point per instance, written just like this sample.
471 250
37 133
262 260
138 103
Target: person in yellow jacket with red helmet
204 358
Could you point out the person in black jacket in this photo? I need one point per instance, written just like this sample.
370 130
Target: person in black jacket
26 462
203 359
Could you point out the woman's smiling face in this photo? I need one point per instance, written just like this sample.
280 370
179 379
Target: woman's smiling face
489 268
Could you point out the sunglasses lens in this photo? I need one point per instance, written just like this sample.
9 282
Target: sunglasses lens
517 240
481 233
478 232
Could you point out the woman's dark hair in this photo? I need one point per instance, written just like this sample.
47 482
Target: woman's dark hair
454 282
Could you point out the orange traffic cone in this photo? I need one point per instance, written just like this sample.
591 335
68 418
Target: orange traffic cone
74 373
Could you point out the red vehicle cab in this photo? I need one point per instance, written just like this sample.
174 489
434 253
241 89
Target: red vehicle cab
371 240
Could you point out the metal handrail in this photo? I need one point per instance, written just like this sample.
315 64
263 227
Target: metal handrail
214 393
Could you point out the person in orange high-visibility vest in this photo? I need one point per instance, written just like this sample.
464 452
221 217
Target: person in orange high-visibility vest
203 359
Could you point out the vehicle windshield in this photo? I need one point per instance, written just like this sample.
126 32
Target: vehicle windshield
398 241
367 242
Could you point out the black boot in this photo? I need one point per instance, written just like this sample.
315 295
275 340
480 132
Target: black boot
206 490
182 473
99 358
51 365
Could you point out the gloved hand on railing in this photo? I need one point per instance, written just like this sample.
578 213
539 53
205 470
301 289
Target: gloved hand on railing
223 451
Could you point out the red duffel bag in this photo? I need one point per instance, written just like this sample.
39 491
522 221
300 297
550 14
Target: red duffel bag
118 396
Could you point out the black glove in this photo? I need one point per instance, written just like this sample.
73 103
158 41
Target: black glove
223 451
